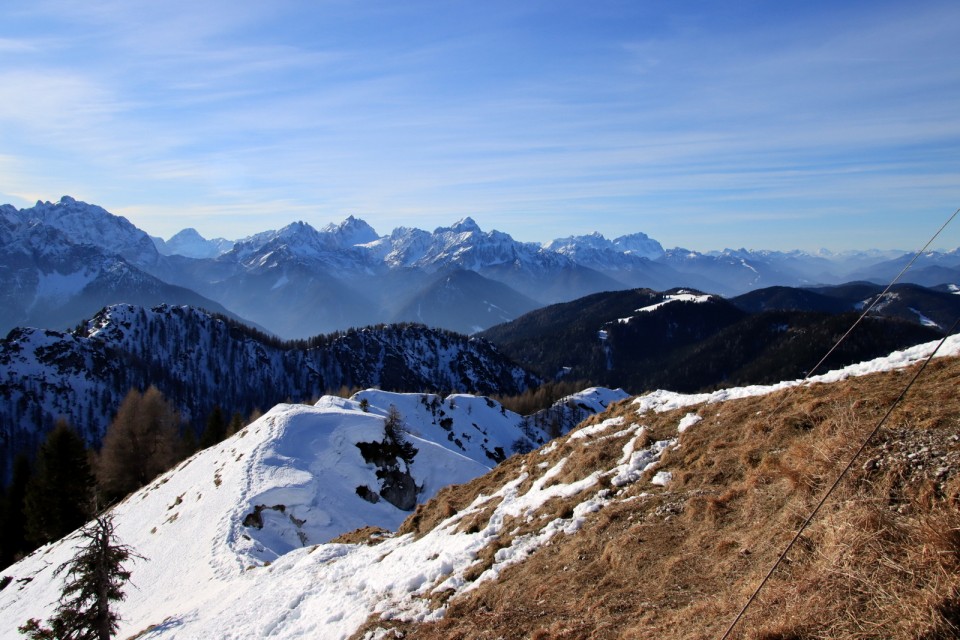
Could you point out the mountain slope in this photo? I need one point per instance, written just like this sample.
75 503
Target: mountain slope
86 224
49 280
685 341
464 301
652 520
198 360
911 302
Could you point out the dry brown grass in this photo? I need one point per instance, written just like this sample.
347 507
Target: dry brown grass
882 560
363 535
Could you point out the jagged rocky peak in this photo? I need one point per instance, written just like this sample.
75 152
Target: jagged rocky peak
296 229
464 225
298 236
9 221
90 224
351 232
569 244
636 244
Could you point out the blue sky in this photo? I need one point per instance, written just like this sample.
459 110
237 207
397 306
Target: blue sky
705 125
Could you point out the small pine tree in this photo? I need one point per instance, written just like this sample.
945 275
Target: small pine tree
94 578
395 430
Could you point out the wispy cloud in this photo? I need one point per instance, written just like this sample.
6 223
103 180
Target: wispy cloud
622 117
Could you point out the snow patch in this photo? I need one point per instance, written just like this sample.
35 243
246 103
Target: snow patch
661 400
680 296
688 421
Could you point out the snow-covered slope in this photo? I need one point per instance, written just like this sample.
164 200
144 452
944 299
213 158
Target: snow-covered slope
300 465
207 575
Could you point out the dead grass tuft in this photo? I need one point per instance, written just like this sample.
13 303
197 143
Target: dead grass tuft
365 535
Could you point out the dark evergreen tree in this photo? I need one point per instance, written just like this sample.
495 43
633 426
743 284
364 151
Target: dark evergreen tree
94 579
395 430
236 424
188 442
59 496
13 544
216 429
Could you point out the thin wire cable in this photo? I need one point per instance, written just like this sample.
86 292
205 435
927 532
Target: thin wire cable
836 482
866 311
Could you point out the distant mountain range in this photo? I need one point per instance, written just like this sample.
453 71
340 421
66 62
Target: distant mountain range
61 262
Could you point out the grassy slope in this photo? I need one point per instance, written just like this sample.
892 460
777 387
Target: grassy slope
882 560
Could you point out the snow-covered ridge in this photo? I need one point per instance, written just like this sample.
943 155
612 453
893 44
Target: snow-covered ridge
248 511
295 478
680 296
662 400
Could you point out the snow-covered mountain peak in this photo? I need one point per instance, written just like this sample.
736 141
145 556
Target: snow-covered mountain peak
187 235
571 245
464 225
595 250
639 244
297 230
298 239
341 248
90 224
191 244
351 232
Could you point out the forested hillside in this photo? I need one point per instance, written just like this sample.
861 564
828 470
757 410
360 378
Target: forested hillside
686 341
200 361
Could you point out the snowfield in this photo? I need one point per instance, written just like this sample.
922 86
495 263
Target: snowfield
207 575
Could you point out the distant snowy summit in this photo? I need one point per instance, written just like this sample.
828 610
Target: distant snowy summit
191 244
463 242
86 224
